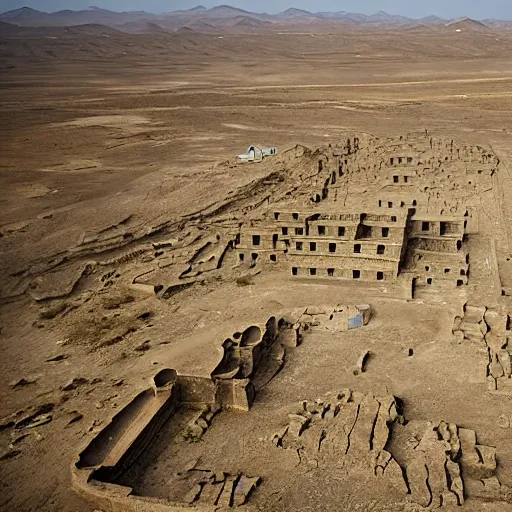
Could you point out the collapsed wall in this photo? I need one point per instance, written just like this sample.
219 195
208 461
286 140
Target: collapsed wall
432 464
250 359
489 327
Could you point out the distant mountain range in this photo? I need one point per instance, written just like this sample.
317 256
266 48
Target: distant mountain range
225 17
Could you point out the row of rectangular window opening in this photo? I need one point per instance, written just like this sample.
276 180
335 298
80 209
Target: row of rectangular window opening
443 226
299 246
462 271
322 231
295 216
256 239
255 255
396 179
356 274
430 281
400 160
390 205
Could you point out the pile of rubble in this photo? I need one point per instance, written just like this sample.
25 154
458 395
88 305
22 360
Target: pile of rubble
482 325
198 425
434 464
346 427
218 489
335 318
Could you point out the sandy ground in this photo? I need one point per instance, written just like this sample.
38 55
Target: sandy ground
87 145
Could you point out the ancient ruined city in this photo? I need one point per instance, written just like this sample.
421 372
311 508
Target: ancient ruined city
320 323
400 219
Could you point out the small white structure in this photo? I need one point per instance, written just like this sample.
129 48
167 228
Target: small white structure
256 154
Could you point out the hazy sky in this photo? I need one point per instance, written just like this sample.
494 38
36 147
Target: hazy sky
478 9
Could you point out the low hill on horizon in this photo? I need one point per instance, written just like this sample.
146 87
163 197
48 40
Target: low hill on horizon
466 24
223 16
201 39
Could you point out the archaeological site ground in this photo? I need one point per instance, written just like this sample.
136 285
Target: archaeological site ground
325 327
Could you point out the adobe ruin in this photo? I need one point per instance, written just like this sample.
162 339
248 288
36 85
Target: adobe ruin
250 360
178 426
399 211
412 219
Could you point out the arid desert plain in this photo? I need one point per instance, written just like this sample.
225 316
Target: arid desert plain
133 243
